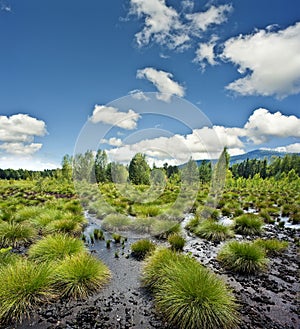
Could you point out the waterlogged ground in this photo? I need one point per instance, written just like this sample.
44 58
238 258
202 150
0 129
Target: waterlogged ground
267 300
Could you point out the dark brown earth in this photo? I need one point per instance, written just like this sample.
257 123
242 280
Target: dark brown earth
267 301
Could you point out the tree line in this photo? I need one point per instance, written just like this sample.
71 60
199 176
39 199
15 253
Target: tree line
96 168
278 167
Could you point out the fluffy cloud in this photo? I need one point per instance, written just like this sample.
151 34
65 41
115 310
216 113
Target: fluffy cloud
213 16
208 142
21 148
20 128
269 59
17 133
162 24
26 162
112 116
204 143
163 82
113 141
138 94
262 125
205 53
292 148
166 27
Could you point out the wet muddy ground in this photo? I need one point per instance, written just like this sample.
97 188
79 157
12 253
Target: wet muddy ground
269 300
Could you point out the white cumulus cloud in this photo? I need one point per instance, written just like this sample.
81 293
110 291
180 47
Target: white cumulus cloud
213 16
138 94
21 148
205 53
269 59
112 116
161 24
113 141
20 128
262 125
165 26
291 148
17 134
163 81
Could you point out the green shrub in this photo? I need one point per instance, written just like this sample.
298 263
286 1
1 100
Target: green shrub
14 234
80 275
55 247
141 248
187 294
24 285
243 257
214 231
272 246
248 224
177 242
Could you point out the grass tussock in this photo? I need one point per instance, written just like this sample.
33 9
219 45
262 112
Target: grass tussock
272 247
24 285
55 247
177 242
14 234
80 275
141 248
7 257
248 224
243 257
115 222
187 294
213 231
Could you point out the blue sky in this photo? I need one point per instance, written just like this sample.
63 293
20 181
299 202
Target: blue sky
72 64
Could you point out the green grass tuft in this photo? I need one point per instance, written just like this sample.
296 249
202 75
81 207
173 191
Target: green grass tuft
80 275
187 294
177 242
248 224
243 257
55 247
214 231
14 234
24 285
141 248
272 246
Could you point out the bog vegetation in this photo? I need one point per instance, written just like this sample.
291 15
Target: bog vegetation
44 256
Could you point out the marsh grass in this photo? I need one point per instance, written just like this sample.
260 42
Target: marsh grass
141 248
187 294
248 224
213 231
24 285
80 275
163 228
14 234
7 257
243 257
272 247
55 247
177 242
114 222
28 213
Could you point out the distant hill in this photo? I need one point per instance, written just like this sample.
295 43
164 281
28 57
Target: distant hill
256 154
